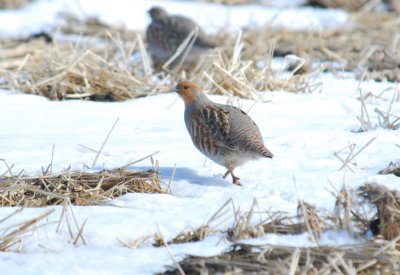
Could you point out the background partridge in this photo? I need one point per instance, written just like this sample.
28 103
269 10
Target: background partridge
166 33
223 133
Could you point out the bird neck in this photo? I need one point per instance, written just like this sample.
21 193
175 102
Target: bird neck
196 99
191 107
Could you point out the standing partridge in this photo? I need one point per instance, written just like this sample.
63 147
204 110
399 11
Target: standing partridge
223 133
167 32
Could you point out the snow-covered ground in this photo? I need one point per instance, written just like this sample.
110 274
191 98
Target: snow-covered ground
302 130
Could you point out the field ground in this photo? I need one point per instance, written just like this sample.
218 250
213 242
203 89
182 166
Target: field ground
99 175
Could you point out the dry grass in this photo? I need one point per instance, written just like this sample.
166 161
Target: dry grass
13 4
245 228
375 256
387 118
387 204
232 2
107 63
393 168
111 63
81 188
356 5
348 5
368 258
13 235
347 155
194 235
366 42
63 71
93 27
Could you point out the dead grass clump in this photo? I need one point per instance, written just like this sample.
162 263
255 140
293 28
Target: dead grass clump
13 4
343 209
59 71
312 222
394 5
186 236
356 5
383 65
232 2
307 219
377 255
240 69
387 204
369 258
82 188
13 235
348 5
393 168
194 235
244 227
103 63
386 118
111 63
366 41
93 27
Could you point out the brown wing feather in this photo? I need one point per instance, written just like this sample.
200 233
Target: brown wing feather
216 119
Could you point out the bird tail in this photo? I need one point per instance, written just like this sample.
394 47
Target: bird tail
266 153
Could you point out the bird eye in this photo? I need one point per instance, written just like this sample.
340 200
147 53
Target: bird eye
186 87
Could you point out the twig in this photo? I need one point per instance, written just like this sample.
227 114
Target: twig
295 261
63 211
358 152
8 168
88 148
12 214
139 160
80 234
104 143
387 246
178 266
171 179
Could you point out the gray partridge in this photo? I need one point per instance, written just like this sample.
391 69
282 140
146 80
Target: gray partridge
223 133
167 32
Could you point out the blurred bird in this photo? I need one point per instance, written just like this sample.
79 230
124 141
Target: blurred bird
223 133
167 32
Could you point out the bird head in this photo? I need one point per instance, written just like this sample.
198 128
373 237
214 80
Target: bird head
188 91
157 12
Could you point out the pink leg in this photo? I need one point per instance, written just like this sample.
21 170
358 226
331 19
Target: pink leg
235 180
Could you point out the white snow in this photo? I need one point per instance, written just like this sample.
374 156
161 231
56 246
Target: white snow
302 130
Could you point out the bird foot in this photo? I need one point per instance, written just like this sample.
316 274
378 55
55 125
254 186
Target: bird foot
236 181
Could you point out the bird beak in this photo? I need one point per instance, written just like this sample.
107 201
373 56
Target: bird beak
176 90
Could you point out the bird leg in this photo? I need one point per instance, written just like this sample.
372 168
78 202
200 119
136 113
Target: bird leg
235 180
226 174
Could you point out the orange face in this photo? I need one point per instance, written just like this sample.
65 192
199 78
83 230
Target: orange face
188 91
